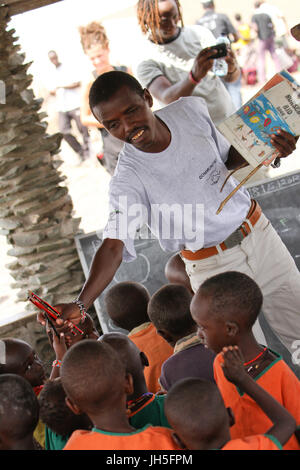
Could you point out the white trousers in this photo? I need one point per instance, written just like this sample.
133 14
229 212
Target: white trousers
263 256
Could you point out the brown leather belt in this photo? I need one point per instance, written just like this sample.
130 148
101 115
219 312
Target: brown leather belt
234 239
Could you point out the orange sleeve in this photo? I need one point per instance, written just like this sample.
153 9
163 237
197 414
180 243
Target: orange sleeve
259 442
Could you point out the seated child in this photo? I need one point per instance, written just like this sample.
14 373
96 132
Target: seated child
143 407
22 360
19 413
96 383
169 311
197 414
60 421
126 304
225 309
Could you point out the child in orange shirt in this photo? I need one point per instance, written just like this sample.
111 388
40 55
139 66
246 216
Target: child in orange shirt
96 383
143 407
197 414
225 309
126 304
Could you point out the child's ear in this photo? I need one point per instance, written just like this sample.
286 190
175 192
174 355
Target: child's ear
73 407
144 359
232 328
129 387
231 417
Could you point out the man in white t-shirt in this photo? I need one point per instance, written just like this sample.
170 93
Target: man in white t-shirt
66 89
169 176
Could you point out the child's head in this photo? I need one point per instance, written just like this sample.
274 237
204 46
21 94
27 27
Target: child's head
94 378
225 309
134 360
55 413
176 273
169 311
126 304
196 412
21 359
19 412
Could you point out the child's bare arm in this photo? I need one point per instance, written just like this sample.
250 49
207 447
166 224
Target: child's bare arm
284 423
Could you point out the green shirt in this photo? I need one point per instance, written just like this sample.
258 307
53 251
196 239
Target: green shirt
151 412
54 441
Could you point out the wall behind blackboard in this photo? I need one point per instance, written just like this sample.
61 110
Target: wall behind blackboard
147 268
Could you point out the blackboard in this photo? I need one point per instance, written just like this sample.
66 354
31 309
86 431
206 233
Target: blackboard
279 199
147 268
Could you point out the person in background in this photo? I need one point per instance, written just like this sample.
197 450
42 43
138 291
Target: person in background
66 87
220 25
126 304
264 28
95 45
177 62
279 23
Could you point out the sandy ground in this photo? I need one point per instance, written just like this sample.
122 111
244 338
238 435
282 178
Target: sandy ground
88 186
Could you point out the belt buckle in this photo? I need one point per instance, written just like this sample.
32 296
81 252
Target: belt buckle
234 239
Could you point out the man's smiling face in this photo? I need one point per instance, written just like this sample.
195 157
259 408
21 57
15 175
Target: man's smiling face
128 117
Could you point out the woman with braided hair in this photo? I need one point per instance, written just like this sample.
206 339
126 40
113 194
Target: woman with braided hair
179 61
95 45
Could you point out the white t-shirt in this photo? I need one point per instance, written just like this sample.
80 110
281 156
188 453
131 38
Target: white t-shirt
66 99
175 59
176 192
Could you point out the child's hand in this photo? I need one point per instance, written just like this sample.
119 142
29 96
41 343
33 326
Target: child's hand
233 365
59 346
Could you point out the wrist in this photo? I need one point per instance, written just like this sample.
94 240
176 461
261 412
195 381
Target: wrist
192 78
82 309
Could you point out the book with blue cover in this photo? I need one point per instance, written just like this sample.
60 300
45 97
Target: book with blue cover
275 106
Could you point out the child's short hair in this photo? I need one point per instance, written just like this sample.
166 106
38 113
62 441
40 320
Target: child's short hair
126 304
195 409
54 411
169 309
19 408
234 292
92 375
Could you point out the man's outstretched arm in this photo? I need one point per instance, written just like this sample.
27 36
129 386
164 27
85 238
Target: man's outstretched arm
104 266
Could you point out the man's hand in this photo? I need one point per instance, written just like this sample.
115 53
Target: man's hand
69 312
203 63
284 143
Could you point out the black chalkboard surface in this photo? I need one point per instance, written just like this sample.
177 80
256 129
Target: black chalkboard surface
147 268
279 199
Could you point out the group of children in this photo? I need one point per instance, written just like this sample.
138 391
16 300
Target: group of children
188 375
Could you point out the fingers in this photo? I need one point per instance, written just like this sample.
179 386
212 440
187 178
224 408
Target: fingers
284 142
